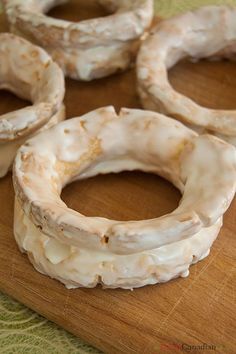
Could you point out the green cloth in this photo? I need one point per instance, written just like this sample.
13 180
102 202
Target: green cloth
22 331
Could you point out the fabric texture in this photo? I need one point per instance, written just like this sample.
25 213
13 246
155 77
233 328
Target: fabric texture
22 331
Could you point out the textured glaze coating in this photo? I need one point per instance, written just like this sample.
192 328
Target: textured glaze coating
8 149
84 251
88 49
209 32
30 73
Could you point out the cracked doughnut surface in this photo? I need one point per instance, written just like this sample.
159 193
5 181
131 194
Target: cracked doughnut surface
85 251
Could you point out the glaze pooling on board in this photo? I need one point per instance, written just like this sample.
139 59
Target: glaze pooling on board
124 254
88 49
209 32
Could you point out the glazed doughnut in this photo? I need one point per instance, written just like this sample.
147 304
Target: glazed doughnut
30 73
209 32
88 49
85 251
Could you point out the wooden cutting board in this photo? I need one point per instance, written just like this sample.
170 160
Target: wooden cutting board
154 319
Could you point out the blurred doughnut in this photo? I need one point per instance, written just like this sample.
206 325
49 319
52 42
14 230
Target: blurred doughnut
209 32
30 73
87 49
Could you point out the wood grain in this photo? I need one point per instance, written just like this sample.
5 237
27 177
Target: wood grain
155 319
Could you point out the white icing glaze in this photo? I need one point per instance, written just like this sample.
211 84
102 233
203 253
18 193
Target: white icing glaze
115 253
8 149
208 32
117 34
98 61
30 73
77 267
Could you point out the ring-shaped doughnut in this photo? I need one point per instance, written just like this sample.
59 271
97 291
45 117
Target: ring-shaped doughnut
30 73
84 251
88 49
209 32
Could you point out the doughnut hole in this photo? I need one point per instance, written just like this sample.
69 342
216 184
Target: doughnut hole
10 102
123 196
78 10
211 84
